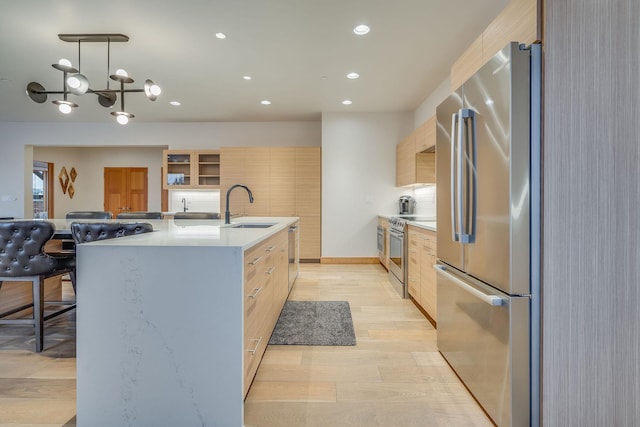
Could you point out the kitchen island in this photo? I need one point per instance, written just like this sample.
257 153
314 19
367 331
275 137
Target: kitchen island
163 321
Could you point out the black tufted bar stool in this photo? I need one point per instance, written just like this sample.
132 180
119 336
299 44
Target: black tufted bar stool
22 259
88 215
84 232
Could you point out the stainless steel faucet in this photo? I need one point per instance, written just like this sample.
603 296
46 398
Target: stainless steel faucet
184 205
227 214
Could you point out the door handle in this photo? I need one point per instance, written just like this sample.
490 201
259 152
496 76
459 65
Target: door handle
452 169
492 300
467 225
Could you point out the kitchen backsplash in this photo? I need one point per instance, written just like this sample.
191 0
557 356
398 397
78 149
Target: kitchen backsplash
425 201
197 201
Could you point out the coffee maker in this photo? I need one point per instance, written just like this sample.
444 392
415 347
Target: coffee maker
406 205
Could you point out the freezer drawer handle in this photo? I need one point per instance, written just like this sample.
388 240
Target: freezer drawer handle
489 299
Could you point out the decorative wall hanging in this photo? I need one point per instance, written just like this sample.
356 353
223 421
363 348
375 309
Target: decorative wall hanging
63 177
66 181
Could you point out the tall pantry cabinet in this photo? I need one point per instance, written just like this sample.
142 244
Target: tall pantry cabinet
284 181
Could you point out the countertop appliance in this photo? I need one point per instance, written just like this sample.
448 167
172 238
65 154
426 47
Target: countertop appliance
488 239
406 205
294 253
398 255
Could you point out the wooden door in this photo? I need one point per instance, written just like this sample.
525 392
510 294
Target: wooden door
125 189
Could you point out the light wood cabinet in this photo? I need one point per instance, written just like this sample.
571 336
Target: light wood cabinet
518 21
415 156
412 167
232 170
428 288
413 263
257 178
265 291
405 162
189 169
422 277
308 200
285 181
426 136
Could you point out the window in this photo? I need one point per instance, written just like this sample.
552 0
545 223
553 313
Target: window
42 189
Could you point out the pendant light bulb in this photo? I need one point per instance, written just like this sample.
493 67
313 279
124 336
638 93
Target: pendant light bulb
122 119
121 72
78 84
64 108
155 90
64 62
151 89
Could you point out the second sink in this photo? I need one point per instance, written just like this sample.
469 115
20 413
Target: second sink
253 225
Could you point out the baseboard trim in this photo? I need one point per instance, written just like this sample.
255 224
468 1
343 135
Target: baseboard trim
350 260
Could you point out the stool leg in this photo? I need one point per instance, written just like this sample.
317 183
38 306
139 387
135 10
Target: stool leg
38 311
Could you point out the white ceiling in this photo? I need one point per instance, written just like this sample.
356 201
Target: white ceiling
297 51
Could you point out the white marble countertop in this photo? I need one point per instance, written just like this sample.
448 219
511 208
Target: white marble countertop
189 232
427 225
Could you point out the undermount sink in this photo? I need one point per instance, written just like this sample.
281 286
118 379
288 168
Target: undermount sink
253 225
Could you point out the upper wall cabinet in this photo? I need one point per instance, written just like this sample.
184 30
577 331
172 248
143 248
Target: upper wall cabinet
518 21
188 169
412 167
426 136
415 156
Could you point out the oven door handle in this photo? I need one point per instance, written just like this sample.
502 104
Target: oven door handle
396 233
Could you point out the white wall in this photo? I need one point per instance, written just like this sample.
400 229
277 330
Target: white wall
358 178
428 107
16 140
89 164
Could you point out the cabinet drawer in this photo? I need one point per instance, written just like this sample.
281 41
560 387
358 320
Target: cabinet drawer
256 337
414 287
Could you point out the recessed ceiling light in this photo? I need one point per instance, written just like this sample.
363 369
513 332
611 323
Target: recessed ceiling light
347 102
353 76
175 103
361 29
265 102
221 35
246 77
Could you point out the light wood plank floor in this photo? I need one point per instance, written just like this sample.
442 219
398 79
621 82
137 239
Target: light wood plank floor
394 376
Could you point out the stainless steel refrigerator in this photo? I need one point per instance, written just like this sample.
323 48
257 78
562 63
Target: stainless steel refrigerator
487 172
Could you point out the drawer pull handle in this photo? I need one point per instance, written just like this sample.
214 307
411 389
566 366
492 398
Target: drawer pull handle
270 270
255 261
270 248
254 349
255 293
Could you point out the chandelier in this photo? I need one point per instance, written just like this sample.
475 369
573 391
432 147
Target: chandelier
76 83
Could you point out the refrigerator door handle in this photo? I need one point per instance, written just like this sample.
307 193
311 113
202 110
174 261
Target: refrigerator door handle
467 228
454 229
459 190
493 300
